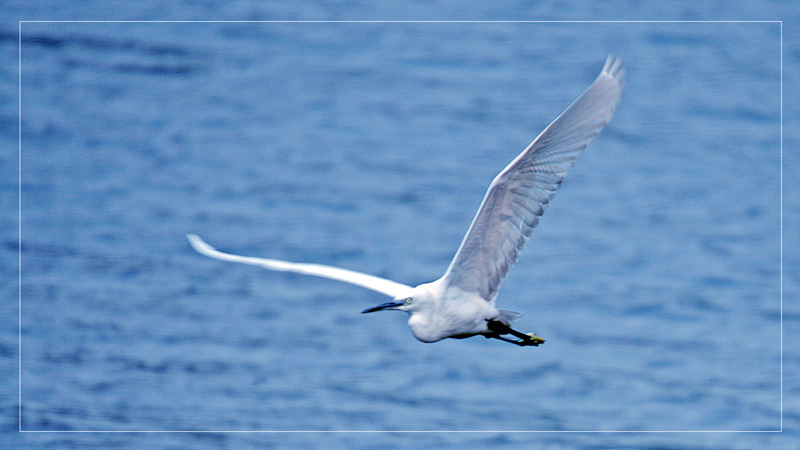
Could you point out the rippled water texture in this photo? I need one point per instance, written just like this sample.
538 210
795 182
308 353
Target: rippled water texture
654 275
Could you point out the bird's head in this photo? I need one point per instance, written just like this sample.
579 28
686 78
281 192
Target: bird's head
400 304
421 304
418 300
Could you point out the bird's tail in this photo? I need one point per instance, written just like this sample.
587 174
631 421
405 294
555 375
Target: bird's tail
508 317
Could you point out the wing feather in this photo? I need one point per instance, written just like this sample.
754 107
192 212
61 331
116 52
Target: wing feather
519 195
382 285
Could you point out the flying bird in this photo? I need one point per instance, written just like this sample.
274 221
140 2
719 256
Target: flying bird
461 303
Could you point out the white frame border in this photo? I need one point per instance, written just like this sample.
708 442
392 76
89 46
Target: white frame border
19 235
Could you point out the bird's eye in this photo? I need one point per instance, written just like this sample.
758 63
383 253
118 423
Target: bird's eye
409 300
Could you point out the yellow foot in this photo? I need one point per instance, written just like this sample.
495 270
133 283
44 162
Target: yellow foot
532 339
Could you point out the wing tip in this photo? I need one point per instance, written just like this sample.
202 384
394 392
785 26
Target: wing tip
614 68
199 245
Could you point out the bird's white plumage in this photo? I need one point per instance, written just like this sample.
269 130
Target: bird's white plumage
518 196
382 285
461 302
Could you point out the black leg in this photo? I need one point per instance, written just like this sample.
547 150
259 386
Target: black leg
520 343
498 329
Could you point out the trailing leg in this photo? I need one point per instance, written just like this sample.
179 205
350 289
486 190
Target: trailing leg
498 329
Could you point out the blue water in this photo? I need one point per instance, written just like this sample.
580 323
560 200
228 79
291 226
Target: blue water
654 275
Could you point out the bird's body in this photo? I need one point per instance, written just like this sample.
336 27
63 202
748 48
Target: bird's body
461 303
448 312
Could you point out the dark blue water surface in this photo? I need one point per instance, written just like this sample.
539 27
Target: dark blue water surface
654 276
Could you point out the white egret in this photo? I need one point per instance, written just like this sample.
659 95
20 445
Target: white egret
461 303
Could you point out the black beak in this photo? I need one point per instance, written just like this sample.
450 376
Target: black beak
387 305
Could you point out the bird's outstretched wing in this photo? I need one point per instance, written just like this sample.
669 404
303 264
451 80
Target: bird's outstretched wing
518 196
382 285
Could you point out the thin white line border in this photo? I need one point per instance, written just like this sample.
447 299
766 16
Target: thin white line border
19 244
